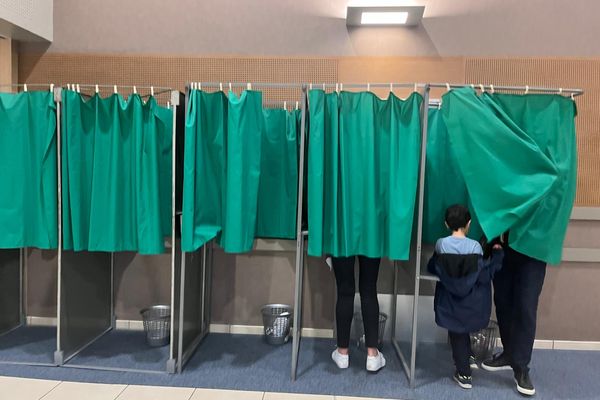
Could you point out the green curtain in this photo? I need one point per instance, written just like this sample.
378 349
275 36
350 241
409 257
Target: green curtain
518 158
362 173
245 127
278 187
240 171
444 184
116 175
28 181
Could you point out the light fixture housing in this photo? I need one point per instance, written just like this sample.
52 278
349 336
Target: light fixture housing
384 16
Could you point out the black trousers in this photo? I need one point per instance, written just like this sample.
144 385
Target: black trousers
517 288
461 351
343 267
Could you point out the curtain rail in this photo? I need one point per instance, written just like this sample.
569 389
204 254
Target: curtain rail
575 92
27 84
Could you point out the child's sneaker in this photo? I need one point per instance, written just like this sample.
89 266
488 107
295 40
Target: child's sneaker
463 381
473 363
341 360
375 363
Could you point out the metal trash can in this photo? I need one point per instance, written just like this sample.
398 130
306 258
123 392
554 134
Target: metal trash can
358 329
157 324
277 322
483 343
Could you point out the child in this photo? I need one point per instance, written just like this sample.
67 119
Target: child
463 296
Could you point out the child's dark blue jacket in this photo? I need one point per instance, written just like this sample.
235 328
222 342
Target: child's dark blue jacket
463 296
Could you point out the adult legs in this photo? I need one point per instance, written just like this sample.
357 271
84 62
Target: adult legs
368 273
504 298
528 282
343 268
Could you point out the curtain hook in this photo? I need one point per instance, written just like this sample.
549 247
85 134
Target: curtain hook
97 88
447 87
416 88
78 88
526 89
391 87
25 87
324 87
199 85
221 86
368 87
297 105
52 87
337 88
492 88
482 88
249 86
115 89
310 86
560 91
285 105
68 86
152 91
134 90
230 87
341 87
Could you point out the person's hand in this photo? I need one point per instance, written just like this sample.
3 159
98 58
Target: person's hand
497 247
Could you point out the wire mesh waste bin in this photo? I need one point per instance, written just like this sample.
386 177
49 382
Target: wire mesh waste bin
483 342
358 329
277 322
157 325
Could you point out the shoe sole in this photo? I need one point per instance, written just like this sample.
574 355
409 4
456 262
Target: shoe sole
523 391
463 385
474 366
494 369
374 371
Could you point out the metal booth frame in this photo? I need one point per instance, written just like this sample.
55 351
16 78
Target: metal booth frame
199 264
408 361
22 262
97 262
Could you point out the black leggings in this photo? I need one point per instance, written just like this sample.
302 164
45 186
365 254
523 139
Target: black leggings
346 287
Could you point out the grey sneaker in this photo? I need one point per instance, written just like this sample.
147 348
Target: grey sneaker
464 381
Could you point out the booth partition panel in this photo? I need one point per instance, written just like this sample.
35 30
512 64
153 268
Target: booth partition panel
10 290
85 301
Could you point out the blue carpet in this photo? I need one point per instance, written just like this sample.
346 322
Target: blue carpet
123 349
248 363
29 344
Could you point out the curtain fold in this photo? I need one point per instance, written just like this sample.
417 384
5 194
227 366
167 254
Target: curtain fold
116 173
278 187
444 184
362 173
28 178
518 159
240 172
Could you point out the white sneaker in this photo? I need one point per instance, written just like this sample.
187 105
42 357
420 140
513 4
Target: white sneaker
375 363
341 360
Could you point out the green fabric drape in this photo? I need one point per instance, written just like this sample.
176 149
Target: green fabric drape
362 173
116 173
240 171
444 185
28 181
518 159
278 188
245 127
